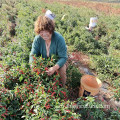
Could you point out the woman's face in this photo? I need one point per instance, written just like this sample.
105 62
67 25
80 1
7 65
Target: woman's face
45 35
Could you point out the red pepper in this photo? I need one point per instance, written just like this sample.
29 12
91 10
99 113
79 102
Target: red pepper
21 72
53 94
38 72
47 106
49 90
28 104
64 93
47 102
34 58
46 68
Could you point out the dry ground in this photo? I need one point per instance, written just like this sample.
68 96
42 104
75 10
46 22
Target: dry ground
107 8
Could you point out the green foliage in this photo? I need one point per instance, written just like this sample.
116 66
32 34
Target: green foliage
35 94
88 44
89 109
73 77
107 65
9 105
29 91
115 115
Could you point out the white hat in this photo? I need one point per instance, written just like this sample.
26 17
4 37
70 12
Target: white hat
50 15
93 21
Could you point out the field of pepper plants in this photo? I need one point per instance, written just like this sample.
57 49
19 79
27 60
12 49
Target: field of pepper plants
27 94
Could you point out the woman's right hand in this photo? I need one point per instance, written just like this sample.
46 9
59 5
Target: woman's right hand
51 70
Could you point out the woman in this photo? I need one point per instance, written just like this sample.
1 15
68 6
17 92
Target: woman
49 42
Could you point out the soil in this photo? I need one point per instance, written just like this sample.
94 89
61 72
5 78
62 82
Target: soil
107 8
82 58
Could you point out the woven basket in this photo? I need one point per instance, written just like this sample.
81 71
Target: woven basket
90 85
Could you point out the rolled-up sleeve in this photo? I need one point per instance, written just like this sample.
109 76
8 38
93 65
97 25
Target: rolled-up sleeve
62 52
34 50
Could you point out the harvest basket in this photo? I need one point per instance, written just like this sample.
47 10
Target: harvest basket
90 85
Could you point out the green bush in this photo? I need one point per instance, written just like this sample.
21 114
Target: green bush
73 77
35 94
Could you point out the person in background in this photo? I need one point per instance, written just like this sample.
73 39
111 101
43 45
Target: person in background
48 42
92 24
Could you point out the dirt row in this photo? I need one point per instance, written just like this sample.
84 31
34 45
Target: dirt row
106 8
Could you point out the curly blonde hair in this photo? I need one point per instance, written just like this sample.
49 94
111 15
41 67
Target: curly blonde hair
44 23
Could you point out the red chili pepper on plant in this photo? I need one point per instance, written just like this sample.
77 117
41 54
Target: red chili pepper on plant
49 90
21 72
53 94
46 68
47 102
33 91
42 90
28 104
0 65
38 72
35 62
42 119
64 93
31 111
12 115
34 58
47 106
25 82
68 111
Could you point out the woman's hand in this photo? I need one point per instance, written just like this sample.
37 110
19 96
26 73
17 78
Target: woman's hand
51 70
